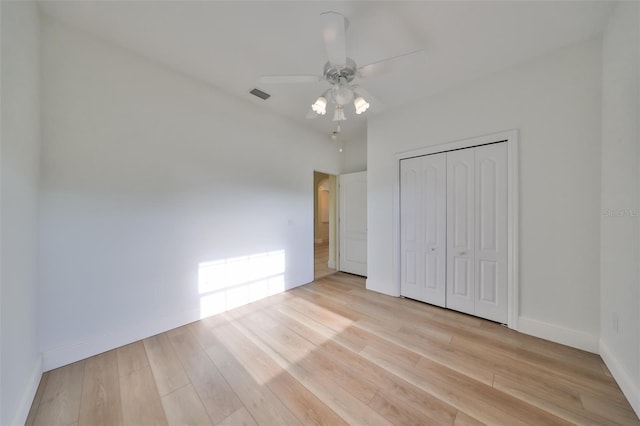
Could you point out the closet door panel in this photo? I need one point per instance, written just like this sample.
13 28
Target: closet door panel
434 236
491 232
410 227
423 228
460 230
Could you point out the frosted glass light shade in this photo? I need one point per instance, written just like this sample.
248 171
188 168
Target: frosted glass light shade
360 104
320 106
338 114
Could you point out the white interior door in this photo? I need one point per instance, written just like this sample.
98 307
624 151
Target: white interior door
460 230
423 228
353 223
491 232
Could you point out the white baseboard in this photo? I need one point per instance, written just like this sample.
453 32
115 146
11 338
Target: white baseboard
371 284
622 377
68 354
26 401
566 336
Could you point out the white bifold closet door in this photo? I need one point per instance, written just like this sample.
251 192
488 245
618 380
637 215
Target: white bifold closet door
423 228
454 230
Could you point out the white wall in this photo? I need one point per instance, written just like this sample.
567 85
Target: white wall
20 356
146 175
354 154
554 102
620 217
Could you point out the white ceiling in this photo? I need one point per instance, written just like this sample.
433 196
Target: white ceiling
229 44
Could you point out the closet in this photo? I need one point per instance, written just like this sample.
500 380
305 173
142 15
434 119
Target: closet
453 230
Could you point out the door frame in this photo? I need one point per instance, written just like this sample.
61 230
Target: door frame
333 224
513 209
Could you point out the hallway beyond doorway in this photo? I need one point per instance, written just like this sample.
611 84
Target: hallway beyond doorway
321 260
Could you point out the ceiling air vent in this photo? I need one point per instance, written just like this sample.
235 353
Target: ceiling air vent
259 93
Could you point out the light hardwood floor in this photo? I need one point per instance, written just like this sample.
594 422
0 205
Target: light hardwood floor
334 353
321 261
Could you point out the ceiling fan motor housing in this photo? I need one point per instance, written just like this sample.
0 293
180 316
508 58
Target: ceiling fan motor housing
339 76
336 74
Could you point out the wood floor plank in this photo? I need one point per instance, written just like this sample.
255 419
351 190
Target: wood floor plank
321 261
332 352
491 336
261 367
141 404
340 352
464 393
202 331
183 407
330 317
261 403
167 370
530 368
242 417
350 408
397 412
101 404
566 405
297 349
438 352
217 397
476 397
356 339
131 358
620 413
523 360
60 404
301 402
463 419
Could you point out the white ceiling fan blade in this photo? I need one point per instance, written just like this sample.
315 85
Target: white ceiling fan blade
333 32
287 79
385 66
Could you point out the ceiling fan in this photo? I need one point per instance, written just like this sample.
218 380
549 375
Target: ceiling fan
340 72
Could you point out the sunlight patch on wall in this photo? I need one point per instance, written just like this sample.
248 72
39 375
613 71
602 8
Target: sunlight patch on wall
228 283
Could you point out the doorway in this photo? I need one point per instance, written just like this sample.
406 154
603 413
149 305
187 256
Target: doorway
324 224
